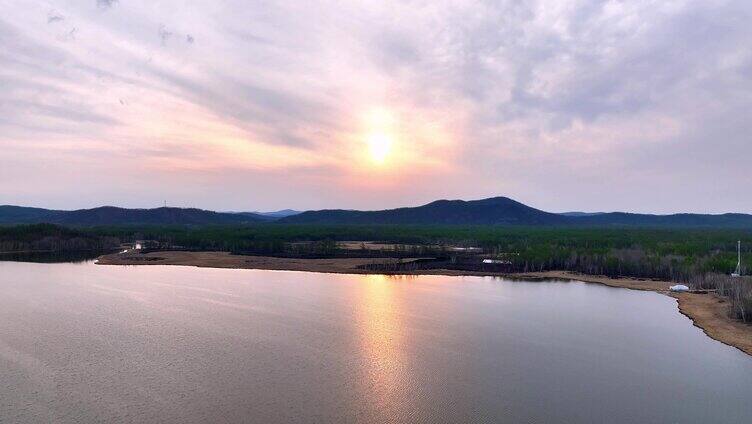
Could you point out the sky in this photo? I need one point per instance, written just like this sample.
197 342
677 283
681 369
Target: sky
636 105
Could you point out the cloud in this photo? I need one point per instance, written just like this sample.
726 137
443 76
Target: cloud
106 4
54 16
561 104
164 35
70 35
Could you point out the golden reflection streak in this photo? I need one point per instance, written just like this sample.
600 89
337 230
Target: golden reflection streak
380 322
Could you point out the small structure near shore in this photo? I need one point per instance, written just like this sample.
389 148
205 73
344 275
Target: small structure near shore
679 288
738 272
146 244
497 261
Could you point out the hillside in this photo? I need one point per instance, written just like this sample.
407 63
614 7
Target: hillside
505 211
493 211
23 215
110 215
728 220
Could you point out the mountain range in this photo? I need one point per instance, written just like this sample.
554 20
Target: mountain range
110 215
491 211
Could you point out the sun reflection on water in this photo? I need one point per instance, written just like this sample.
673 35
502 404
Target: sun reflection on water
382 338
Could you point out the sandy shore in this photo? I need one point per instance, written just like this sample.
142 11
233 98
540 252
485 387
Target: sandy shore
706 311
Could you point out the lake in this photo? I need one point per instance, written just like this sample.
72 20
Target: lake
86 343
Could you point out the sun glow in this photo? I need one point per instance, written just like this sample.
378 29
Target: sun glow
380 129
379 146
389 144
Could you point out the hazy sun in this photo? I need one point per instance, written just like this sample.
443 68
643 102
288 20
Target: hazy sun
379 146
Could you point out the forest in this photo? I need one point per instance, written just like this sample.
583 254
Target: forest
675 254
52 238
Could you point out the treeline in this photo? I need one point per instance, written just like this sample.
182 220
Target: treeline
52 238
636 261
675 254
738 290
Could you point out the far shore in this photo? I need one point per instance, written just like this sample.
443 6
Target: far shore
707 311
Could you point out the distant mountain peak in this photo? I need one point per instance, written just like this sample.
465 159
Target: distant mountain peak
491 211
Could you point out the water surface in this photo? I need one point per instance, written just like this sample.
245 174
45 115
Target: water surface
88 343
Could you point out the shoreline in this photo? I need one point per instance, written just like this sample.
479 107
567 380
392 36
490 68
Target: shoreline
706 311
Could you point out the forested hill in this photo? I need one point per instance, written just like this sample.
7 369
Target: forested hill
493 211
505 211
110 215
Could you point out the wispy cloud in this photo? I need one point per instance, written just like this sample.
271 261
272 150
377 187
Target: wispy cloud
106 4
164 35
618 105
54 16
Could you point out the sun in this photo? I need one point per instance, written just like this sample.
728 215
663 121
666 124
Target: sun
379 147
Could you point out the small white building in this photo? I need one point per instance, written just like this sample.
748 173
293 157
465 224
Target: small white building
679 288
496 261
